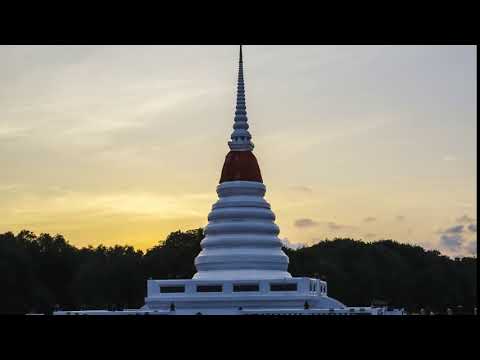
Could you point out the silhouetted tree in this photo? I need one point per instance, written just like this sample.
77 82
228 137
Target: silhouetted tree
40 273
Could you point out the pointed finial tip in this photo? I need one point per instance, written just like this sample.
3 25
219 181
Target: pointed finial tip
241 138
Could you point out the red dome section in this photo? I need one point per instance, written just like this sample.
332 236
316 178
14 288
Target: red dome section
241 166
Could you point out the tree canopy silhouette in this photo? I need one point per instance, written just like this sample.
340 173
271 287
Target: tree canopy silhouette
44 272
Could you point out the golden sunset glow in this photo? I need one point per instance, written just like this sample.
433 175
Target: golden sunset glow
125 144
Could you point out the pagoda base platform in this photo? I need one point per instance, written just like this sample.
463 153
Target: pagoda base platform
289 296
236 297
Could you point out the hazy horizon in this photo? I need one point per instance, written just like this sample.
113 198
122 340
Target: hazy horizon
125 144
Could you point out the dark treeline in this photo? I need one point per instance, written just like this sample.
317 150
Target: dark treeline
41 273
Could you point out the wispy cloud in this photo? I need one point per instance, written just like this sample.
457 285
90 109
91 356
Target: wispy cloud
304 189
465 219
464 205
9 188
449 158
332 226
370 219
452 242
471 248
457 229
305 223
7 132
400 218
335 227
57 203
455 239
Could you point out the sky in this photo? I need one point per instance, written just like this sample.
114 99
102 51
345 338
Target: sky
125 144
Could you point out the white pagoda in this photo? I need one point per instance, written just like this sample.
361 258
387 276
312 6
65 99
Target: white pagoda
241 269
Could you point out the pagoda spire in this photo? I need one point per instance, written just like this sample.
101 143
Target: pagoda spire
241 138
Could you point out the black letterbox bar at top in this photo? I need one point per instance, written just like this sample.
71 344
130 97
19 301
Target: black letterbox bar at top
172 289
209 288
283 287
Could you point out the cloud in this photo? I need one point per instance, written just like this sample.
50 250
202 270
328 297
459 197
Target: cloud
12 132
60 203
334 226
9 188
370 219
454 239
370 235
304 189
449 158
465 219
452 242
471 248
457 229
305 223
400 218
294 246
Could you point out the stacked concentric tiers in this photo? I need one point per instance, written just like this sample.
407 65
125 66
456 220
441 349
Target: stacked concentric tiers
241 239
242 269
